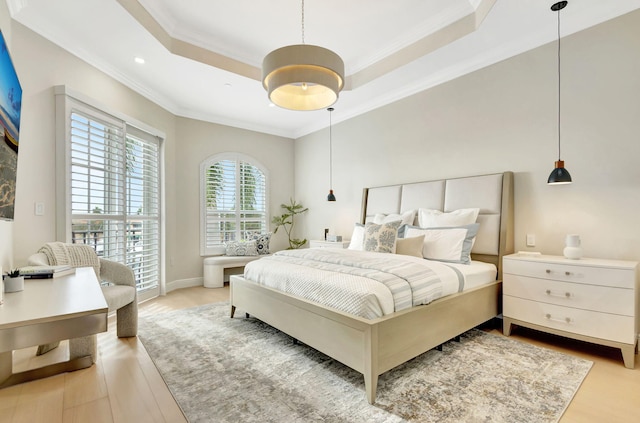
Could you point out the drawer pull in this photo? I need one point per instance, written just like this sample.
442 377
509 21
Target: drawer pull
558 294
566 273
566 320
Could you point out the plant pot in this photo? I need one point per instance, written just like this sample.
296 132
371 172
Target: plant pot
13 284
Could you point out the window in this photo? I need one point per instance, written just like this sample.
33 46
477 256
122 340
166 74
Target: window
233 200
113 191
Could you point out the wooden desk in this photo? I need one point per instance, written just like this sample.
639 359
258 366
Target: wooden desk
50 310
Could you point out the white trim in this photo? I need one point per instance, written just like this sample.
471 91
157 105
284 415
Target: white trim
184 283
101 107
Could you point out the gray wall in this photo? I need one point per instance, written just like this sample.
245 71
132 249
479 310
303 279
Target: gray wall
504 117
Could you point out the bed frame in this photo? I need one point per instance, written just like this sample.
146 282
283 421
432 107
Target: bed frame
375 346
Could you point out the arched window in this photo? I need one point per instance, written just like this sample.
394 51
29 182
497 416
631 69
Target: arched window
233 200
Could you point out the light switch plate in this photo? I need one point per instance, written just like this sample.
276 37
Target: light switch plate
531 240
39 208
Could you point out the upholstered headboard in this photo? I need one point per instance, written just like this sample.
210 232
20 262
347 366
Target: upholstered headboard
493 194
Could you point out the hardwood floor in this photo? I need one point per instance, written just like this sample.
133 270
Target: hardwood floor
124 385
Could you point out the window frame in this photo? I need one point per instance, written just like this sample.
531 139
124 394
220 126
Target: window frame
69 102
204 166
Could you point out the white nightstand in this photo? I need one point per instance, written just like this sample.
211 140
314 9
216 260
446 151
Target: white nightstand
592 300
316 243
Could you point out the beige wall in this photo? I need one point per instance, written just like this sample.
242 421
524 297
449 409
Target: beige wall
41 65
200 140
504 117
499 118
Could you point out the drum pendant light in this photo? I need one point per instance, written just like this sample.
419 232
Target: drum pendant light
330 197
559 175
302 76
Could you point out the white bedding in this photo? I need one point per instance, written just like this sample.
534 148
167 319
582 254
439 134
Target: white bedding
477 273
342 279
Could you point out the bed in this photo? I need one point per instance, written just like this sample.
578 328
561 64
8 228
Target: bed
374 346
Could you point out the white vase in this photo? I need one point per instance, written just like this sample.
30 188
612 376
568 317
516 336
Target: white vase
13 284
573 250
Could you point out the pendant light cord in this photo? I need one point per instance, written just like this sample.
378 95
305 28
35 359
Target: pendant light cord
559 108
330 150
302 21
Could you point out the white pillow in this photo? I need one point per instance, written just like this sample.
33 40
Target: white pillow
406 218
429 218
357 237
450 244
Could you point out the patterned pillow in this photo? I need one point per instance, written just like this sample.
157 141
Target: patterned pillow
262 241
381 238
242 248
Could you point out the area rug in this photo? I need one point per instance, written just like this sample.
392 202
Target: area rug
242 370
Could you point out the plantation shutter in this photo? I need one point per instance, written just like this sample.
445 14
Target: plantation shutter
252 199
143 207
235 202
97 185
114 174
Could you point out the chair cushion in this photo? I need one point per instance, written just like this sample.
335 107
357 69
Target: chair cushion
118 296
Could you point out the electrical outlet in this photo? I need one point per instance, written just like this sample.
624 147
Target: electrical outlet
531 240
38 208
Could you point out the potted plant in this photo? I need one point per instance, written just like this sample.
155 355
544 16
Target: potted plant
13 282
286 220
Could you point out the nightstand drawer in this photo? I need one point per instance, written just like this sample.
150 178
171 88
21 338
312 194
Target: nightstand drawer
587 297
580 272
589 323
328 244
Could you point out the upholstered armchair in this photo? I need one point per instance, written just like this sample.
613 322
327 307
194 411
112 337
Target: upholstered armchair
120 294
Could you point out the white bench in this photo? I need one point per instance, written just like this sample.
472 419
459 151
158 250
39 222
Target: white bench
214 268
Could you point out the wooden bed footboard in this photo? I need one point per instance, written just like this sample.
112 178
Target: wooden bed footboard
374 346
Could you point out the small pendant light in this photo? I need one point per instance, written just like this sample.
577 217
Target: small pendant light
559 175
330 197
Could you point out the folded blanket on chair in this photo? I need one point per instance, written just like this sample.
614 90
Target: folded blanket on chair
75 255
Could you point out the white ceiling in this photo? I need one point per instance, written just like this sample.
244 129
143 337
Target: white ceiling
203 58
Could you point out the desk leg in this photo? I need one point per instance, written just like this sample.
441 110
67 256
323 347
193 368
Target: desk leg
82 354
84 346
6 365
46 371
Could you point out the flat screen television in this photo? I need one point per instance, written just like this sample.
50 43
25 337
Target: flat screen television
10 108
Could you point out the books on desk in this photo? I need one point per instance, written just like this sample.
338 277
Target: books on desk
46 272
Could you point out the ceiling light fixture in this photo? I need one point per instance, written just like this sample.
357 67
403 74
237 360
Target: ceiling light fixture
139 60
559 175
303 76
330 197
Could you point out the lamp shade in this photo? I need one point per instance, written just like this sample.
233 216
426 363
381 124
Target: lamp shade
559 175
303 77
331 197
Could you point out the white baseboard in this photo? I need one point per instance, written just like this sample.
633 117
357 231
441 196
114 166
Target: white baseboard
184 283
